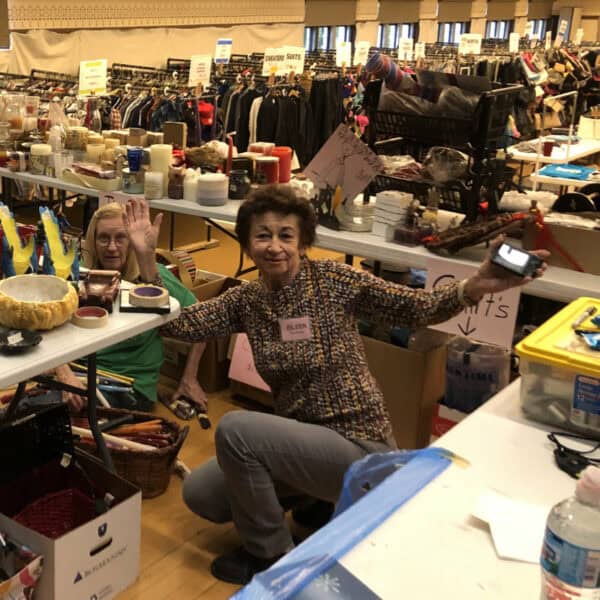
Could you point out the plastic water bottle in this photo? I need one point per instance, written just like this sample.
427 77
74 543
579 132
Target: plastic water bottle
571 550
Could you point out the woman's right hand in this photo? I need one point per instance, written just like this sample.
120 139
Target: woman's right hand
64 374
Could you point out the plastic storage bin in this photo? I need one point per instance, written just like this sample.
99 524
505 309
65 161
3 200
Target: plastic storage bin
560 373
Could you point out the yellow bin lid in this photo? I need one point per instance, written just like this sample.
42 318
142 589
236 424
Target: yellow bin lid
555 342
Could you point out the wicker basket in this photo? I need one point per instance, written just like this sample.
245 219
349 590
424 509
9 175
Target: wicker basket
150 471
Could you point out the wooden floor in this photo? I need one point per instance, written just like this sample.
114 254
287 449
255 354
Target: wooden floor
178 546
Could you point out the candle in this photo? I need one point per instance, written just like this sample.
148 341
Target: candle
160 161
212 189
94 152
284 153
153 185
262 148
111 143
267 169
38 159
229 154
30 123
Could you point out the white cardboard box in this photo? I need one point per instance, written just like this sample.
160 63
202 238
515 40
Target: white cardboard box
95 561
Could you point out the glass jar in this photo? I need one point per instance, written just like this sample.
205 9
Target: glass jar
5 141
13 114
239 184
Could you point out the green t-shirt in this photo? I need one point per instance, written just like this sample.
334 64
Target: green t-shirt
141 356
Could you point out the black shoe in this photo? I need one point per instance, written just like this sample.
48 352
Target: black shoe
314 515
239 566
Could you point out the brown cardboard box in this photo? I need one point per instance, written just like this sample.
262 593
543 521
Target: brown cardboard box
580 243
411 381
214 364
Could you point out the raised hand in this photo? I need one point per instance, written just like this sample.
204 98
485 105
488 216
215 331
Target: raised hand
143 234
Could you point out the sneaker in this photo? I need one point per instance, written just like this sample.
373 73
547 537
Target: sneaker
314 515
239 566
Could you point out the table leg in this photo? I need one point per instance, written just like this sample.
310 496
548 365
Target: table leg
92 414
12 407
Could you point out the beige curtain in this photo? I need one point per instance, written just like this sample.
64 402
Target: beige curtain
151 47
449 11
91 14
330 12
399 11
501 10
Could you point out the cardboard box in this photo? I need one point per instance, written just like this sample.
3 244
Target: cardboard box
412 382
214 364
580 243
98 559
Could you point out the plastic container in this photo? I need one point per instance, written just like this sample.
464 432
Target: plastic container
474 373
570 557
560 373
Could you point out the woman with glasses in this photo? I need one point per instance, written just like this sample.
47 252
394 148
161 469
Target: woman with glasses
113 243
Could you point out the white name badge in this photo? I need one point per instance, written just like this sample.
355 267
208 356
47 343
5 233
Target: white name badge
296 329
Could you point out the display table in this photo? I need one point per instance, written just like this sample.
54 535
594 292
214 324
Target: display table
559 284
432 547
561 182
581 149
69 342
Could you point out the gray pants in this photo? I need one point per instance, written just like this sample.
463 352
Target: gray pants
261 458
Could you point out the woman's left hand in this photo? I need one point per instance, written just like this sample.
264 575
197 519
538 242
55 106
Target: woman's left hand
193 393
143 234
491 278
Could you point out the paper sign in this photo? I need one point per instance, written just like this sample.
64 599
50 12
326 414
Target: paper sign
200 70
492 320
345 161
361 53
513 42
578 36
517 528
528 29
563 26
92 77
223 51
274 62
560 36
405 49
420 50
470 43
242 366
343 54
294 59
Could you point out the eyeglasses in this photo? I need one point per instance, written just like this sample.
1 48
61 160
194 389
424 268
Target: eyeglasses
574 460
121 239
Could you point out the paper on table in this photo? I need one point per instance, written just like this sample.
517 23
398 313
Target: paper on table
517 527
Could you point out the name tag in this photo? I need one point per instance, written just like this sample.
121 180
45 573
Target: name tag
295 329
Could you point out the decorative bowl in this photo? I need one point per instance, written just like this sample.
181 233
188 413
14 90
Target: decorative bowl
36 301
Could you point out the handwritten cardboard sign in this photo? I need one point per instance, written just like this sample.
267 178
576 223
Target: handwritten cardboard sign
274 62
200 70
345 161
492 320
470 43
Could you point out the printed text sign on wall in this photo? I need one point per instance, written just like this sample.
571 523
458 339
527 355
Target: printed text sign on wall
223 51
492 320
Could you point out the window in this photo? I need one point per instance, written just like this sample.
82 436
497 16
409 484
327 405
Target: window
449 33
498 30
538 27
389 35
326 38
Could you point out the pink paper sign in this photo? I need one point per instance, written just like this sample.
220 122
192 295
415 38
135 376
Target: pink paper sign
242 367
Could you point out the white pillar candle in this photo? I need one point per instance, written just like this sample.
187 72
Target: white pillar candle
30 123
111 143
94 152
153 185
38 160
160 161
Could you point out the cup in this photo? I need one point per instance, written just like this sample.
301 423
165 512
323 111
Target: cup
134 158
547 148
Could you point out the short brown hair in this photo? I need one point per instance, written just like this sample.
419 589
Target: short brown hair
280 199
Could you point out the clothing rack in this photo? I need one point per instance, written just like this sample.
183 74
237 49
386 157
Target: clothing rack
125 71
53 76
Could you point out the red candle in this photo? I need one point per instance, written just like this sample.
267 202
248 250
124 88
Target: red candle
267 169
284 153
